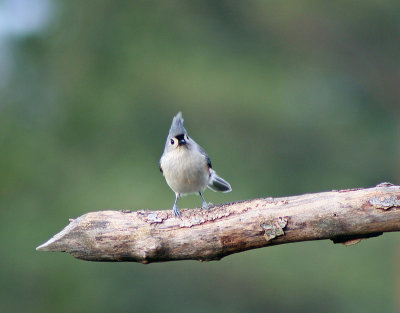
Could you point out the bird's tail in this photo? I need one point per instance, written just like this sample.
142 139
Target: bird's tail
216 183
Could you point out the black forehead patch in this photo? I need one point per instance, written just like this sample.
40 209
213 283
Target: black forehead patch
180 137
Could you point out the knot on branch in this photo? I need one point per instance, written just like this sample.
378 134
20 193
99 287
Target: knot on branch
274 228
384 203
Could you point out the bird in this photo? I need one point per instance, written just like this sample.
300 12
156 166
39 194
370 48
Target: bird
187 167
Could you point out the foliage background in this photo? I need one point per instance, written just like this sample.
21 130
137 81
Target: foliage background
287 98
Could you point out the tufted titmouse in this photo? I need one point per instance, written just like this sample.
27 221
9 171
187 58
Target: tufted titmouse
186 166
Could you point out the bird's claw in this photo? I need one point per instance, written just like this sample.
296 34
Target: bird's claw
206 205
177 213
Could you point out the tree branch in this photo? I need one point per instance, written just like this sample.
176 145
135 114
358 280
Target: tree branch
344 216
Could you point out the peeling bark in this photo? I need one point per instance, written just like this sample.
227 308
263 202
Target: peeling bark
344 216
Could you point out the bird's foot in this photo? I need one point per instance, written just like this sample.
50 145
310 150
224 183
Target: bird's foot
206 205
176 211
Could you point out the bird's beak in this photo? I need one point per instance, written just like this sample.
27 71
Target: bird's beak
182 142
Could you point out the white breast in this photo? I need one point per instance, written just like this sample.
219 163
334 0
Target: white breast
185 170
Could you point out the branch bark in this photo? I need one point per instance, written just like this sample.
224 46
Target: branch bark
344 216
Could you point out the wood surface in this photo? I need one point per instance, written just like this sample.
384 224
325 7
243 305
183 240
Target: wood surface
344 216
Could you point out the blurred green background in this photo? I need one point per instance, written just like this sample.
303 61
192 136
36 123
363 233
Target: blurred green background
287 97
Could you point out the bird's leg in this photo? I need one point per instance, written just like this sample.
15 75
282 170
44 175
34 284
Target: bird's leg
175 208
204 205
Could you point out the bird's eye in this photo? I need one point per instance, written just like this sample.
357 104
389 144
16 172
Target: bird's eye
172 142
186 137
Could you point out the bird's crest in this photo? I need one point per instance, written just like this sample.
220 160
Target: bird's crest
177 126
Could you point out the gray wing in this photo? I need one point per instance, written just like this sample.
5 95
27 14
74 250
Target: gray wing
215 183
203 152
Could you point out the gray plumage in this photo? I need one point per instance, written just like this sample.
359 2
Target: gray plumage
176 127
186 166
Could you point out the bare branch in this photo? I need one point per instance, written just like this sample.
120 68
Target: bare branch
345 216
